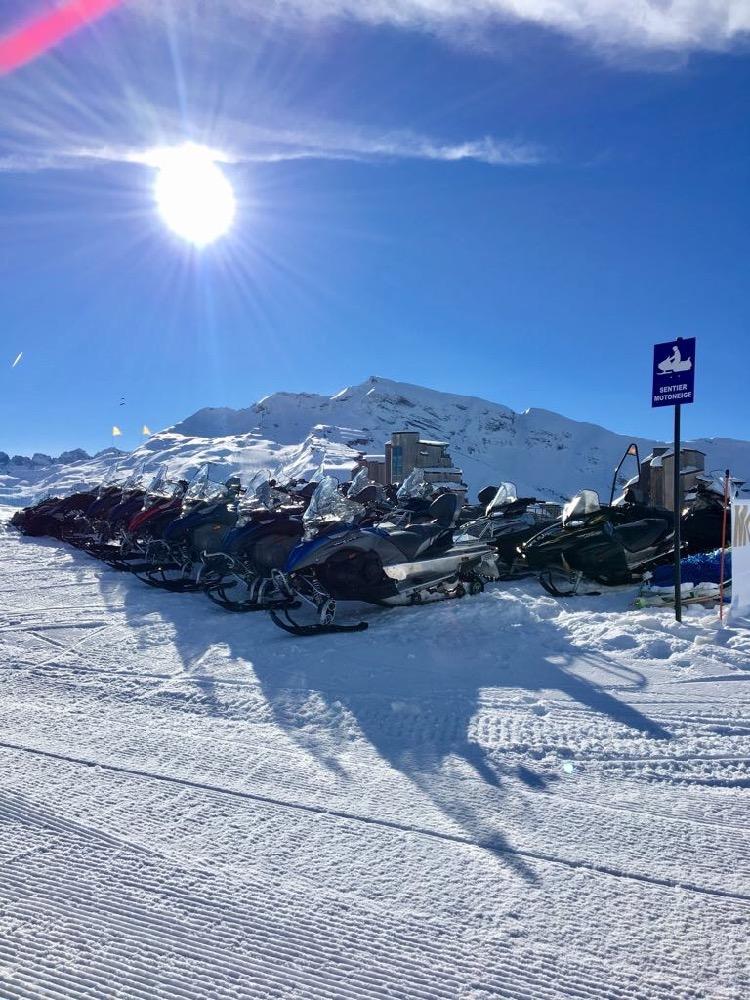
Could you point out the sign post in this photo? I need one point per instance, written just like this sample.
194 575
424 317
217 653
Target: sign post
673 384
740 611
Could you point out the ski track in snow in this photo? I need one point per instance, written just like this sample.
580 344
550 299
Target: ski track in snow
502 798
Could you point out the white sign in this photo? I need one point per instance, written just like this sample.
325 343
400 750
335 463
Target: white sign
740 559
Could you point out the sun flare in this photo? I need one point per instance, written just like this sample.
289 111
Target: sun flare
193 196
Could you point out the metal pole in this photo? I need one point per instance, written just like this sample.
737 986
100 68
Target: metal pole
723 544
677 506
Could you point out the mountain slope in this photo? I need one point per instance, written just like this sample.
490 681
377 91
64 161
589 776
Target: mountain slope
544 453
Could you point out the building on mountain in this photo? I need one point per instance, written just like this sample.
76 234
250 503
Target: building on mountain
655 483
407 451
376 468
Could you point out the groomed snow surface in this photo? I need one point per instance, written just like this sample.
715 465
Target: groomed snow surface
500 797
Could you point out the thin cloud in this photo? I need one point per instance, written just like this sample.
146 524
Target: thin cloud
263 145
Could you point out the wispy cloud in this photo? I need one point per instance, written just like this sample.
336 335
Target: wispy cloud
265 145
646 24
325 141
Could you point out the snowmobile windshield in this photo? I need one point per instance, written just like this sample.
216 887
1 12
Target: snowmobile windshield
259 492
584 503
135 479
714 482
506 494
358 483
327 504
413 486
159 488
111 478
159 482
319 474
204 487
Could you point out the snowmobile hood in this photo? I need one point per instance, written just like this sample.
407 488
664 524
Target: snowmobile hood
302 552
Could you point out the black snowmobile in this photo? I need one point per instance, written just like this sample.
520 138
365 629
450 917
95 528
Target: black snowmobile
268 526
703 514
507 521
175 561
610 545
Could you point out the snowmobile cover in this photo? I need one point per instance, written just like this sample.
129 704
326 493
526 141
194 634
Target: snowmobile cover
702 567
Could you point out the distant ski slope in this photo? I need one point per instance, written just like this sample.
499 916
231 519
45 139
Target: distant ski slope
544 453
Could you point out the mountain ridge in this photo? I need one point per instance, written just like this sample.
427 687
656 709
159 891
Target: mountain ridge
545 453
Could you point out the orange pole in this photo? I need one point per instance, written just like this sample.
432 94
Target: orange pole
723 545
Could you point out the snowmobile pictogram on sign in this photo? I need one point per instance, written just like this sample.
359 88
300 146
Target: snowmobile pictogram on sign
674 372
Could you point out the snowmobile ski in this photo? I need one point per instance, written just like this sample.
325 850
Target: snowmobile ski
574 579
320 628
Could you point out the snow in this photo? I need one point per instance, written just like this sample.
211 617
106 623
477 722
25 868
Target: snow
543 453
498 798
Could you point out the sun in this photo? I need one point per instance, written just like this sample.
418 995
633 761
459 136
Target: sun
193 196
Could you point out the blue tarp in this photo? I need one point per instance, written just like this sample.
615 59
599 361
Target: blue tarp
704 567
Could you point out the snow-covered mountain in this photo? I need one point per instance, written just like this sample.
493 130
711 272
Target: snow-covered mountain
544 453
21 476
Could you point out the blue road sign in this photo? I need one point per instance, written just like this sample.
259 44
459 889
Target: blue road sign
674 372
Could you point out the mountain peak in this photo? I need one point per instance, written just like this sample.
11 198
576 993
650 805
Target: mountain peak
544 453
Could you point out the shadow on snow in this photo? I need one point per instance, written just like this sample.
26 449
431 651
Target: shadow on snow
412 686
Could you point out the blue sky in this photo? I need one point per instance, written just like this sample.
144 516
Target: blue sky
511 205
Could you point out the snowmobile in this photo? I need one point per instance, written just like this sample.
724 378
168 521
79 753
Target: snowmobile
474 511
161 504
53 515
94 529
175 560
47 515
674 363
611 545
386 564
269 526
703 514
507 521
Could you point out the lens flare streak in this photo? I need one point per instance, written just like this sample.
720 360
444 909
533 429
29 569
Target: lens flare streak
37 36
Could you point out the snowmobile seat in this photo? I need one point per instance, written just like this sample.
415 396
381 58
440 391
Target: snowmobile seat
639 535
421 538
437 533
306 491
486 495
444 509
367 495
